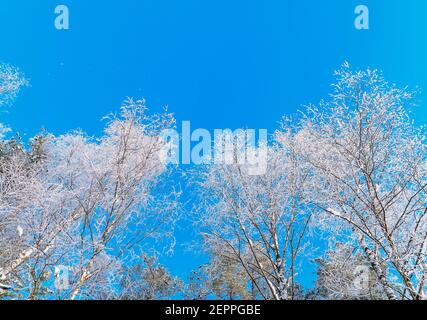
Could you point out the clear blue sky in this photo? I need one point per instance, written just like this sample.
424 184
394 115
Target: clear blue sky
222 63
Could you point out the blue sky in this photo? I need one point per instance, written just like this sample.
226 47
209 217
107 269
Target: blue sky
219 64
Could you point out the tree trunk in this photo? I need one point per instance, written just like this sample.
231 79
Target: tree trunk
370 255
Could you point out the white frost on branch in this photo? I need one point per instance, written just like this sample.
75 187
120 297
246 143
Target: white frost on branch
11 82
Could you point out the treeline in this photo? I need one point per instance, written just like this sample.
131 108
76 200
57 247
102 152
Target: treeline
345 188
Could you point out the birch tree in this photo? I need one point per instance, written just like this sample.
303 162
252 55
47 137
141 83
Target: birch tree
109 182
259 222
368 175
14 163
86 204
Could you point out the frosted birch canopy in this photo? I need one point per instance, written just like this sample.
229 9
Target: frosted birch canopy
343 182
11 81
368 172
81 203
